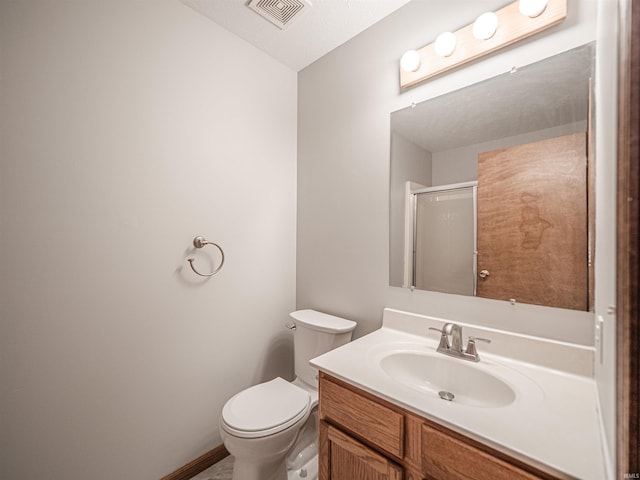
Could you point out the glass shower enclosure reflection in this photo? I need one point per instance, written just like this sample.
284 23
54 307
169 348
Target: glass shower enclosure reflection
444 238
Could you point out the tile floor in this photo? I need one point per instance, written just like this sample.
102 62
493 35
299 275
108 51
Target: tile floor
223 470
220 471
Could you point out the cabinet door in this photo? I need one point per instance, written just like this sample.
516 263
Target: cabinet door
447 458
344 458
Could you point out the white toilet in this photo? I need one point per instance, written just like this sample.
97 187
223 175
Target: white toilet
271 428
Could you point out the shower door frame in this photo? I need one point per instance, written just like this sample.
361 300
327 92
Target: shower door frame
473 185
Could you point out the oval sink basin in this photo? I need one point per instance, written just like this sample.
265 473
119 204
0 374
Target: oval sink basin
442 376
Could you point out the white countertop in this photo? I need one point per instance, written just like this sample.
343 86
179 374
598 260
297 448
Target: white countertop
553 423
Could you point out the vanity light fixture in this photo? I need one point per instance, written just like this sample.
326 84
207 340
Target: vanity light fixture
532 8
518 20
485 26
445 44
410 61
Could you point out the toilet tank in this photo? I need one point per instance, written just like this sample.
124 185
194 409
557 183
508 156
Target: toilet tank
316 333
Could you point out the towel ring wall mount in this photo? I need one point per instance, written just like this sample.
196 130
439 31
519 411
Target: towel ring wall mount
201 242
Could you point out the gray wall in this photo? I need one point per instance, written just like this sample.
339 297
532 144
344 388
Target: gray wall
343 176
345 99
413 164
461 164
128 128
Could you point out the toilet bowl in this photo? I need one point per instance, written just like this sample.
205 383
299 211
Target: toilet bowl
271 428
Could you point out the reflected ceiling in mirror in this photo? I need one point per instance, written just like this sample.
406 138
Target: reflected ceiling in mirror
442 142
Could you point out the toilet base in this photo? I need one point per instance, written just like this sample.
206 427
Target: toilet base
262 458
308 471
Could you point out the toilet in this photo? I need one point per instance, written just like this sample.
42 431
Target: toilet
271 428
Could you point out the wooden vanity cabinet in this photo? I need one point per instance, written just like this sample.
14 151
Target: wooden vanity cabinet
363 437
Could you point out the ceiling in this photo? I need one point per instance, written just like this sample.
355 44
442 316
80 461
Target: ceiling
313 33
546 94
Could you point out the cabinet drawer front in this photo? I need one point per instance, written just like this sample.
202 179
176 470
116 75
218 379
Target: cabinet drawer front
378 425
446 458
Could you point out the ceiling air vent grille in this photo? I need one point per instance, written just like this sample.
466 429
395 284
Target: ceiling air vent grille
279 12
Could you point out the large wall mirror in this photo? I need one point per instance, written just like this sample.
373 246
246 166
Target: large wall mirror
491 187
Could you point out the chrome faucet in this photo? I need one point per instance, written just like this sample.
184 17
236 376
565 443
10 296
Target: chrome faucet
454 347
455 332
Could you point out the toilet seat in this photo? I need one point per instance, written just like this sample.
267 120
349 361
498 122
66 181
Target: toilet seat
265 409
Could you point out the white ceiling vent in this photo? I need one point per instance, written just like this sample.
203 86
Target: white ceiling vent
280 12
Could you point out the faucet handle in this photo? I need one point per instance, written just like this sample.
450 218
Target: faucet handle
471 346
479 339
444 339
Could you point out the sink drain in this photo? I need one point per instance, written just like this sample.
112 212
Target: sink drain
448 396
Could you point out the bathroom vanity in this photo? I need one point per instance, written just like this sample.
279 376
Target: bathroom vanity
526 410
364 437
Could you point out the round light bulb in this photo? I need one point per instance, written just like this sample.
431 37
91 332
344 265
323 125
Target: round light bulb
445 44
532 8
410 61
485 26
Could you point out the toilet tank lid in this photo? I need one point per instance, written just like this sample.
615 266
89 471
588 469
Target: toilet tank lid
323 322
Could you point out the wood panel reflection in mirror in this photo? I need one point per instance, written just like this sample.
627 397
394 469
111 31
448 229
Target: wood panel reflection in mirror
522 137
532 222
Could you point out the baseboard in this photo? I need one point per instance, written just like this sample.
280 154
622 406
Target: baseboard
198 465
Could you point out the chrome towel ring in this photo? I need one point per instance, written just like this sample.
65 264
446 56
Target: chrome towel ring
200 242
